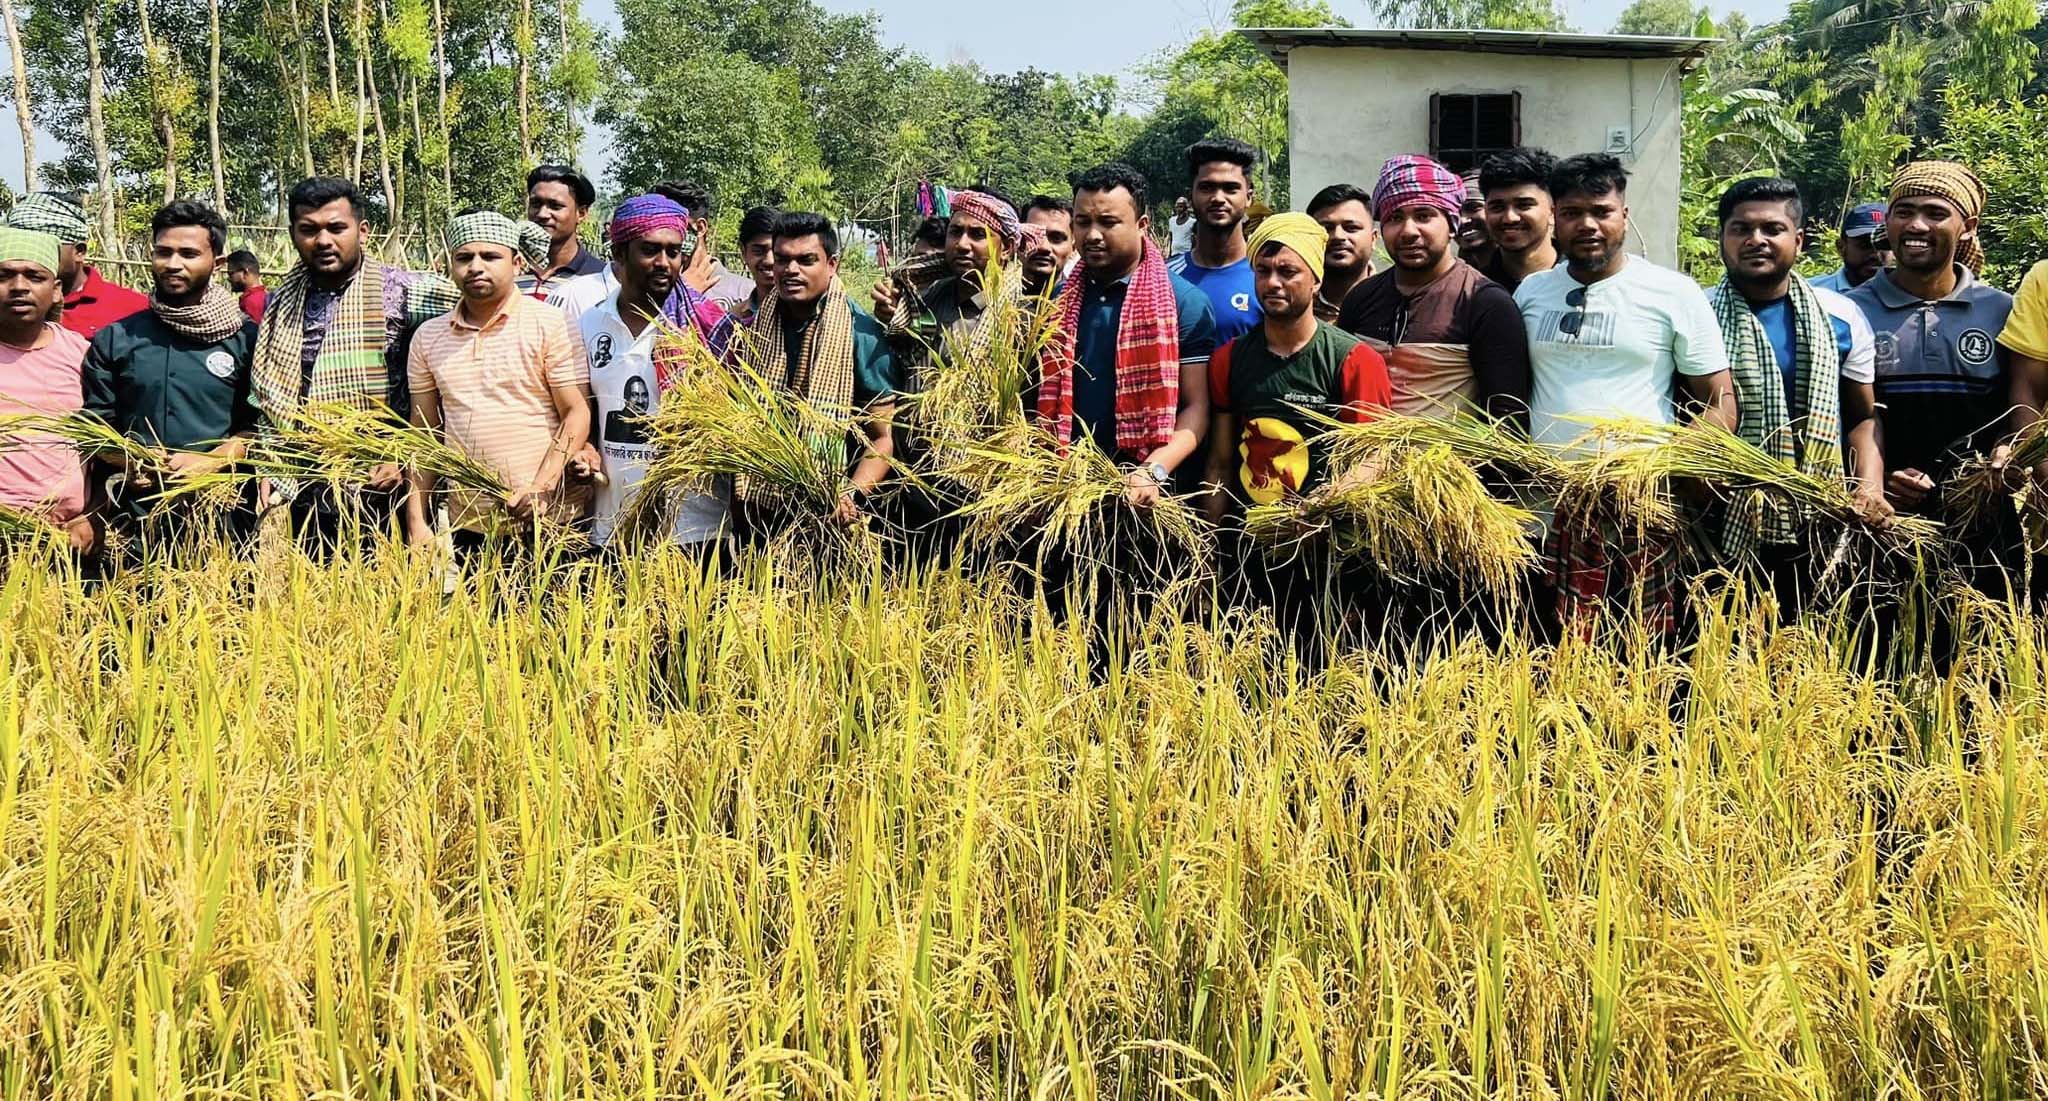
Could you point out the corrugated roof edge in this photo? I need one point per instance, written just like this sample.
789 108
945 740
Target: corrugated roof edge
1275 42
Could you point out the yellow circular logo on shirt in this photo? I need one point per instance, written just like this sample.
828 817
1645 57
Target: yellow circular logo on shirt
1275 460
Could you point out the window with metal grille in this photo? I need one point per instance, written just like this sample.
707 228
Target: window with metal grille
1464 130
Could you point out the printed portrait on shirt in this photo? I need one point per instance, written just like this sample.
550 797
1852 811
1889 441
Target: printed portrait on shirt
628 425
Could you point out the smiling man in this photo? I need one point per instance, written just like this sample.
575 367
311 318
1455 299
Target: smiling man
1220 177
1475 238
1345 213
1519 215
558 198
175 377
1800 359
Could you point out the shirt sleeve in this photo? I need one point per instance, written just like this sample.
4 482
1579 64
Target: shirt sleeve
1367 391
419 374
243 417
562 353
1500 353
1696 344
2026 328
876 376
97 382
1197 326
1219 379
1859 360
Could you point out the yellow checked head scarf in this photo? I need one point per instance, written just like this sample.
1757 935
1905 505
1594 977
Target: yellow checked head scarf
1299 232
1953 182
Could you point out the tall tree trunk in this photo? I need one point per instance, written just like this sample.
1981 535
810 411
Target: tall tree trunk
394 197
327 31
21 104
419 147
441 104
566 12
362 47
155 70
220 167
522 44
96 127
303 86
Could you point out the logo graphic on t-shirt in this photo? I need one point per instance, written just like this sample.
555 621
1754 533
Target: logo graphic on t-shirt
220 364
627 425
1241 302
1975 347
1275 460
1884 347
601 352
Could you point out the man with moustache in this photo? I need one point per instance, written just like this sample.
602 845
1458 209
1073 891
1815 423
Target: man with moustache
1049 259
1519 216
1475 241
1345 213
1857 244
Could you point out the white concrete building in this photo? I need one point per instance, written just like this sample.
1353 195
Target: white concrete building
1357 97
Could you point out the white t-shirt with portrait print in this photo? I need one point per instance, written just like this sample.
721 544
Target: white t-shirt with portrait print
1641 327
622 388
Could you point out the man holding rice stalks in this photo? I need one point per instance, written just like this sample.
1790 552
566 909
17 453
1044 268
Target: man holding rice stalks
174 380
1613 336
335 333
41 363
1452 339
1801 360
1267 389
501 379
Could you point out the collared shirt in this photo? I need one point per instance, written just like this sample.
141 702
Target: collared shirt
410 299
1454 345
578 296
622 387
1941 373
730 289
495 384
581 262
161 388
1836 281
97 304
1102 314
38 474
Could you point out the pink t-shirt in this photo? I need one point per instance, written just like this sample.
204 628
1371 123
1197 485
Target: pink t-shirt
43 475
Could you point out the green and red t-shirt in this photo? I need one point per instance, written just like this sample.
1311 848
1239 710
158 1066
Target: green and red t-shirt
1271 396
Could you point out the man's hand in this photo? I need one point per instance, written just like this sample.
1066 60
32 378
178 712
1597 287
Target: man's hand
192 464
80 533
421 535
385 477
1871 505
847 511
1908 488
885 299
1140 491
2009 476
532 499
585 464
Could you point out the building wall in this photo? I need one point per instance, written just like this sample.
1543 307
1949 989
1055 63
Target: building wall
1350 108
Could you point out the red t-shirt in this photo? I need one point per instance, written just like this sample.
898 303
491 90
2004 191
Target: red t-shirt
253 300
99 304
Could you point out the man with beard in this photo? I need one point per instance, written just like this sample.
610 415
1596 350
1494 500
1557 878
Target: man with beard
1220 174
1857 245
501 379
245 278
1518 215
1475 241
175 377
1944 383
40 367
706 274
1345 213
1613 336
1050 259
1801 362
1452 339
558 198
90 303
336 331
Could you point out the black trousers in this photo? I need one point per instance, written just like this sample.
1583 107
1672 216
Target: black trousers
325 518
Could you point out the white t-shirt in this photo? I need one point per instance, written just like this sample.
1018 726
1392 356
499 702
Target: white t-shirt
1640 327
1182 233
622 386
578 296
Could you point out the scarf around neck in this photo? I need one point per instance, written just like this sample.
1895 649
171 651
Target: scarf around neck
1806 431
350 367
214 318
1147 360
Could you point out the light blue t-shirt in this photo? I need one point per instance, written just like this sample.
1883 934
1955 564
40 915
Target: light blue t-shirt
1853 341
1231 293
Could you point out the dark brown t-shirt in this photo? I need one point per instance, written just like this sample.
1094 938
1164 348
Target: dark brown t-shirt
1458 342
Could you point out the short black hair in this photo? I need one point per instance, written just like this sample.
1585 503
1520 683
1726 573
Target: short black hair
1049 203
1339 194
1224 150
579 184
317 191
1517 167
931 231
982 189
695 198
243 260
802 223
1109 177
758 222
190 212
1591 173
1764 189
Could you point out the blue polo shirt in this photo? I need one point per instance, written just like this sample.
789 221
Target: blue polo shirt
1942 376
1102 311
1232 292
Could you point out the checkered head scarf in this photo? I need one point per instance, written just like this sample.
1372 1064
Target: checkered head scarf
55 215
990 211
486 226
1954 183
644 214
29 245
1410 179
534 244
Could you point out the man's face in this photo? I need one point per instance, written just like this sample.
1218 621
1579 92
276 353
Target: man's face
1180 208
1925 232
967 246
1859 259
1472 231
181 261
483 270
1417 236
551 205
1592 228
1349 225
1059 242
1109 231
1285 285
1222 193
329 238
653 263
70 262
1761 242
27 291
759 254
803 273
241 280
1519 217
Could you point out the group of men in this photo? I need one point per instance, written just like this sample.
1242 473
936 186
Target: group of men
1509 293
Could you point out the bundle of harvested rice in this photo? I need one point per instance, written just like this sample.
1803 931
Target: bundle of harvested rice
1979 486
1477 441
18 526
1423 514
339 443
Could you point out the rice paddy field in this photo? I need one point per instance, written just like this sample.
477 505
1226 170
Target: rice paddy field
298 831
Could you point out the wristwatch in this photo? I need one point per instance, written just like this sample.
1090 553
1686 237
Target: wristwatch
1158 473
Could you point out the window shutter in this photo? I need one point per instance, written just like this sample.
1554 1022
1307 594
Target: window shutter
1516 121
1436 122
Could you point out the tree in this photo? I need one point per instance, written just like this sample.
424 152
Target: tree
18 60
1665 17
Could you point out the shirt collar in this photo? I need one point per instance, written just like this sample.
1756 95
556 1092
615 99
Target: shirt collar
95 285
1895 297
498 320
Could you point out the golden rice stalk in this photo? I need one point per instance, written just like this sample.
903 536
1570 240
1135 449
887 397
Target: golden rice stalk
1474 439
19 526
337 442
1977 486
1425 514
975 386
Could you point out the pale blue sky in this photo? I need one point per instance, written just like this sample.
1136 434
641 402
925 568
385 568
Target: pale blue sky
1069 36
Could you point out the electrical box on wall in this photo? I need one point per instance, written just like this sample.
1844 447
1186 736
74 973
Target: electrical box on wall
1617 139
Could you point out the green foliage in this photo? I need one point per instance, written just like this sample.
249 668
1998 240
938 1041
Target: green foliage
1666 17
2007 143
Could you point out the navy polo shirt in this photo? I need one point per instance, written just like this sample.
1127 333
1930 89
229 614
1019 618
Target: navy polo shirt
1102 310
1942 376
